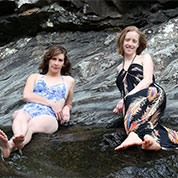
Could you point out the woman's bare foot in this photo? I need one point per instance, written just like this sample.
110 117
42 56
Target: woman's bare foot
4 144
150 144
131 140
18 141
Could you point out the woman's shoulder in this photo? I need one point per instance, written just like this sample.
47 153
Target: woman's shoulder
70 82
146 61
69 78
145 58
34 76
119 67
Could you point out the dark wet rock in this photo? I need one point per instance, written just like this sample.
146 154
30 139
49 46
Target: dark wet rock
7 7
4 169
87 151
29 17
157 171
117 123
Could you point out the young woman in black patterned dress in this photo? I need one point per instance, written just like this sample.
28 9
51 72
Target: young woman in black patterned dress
143 101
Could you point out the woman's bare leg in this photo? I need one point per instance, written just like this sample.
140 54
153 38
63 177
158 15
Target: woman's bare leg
20 122
131 140
19 127
40 124
150 144
4 144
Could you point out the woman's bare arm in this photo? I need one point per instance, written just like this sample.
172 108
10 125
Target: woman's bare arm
147 74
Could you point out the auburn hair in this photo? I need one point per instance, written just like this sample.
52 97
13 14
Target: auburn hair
142 40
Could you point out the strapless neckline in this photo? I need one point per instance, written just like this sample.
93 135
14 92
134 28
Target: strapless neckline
132 65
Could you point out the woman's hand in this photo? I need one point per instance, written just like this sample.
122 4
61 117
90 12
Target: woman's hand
119 107
66 114
56 107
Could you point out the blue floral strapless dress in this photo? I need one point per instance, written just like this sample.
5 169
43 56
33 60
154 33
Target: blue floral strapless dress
54 93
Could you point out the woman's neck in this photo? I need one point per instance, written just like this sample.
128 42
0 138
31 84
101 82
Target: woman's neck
129 57
53 74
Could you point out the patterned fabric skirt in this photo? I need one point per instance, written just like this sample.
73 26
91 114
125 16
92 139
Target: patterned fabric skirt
142 113
35 109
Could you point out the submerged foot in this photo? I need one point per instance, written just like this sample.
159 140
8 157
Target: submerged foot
18 141
4 144
131 140
150 144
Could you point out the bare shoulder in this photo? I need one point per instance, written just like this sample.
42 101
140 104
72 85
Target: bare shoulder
34 76
69 80
119 67
31 80
145 58
146 55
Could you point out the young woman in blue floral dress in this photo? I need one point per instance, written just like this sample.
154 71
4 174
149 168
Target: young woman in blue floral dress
49 99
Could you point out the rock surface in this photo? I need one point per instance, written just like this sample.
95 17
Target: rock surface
86 148
87 152
29 17
94 60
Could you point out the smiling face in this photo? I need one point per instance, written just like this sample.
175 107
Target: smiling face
56 63
129 39
131 43
54 57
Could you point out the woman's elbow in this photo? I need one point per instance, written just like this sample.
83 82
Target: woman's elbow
26 96
149 82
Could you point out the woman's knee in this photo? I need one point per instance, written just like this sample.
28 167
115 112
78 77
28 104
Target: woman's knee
54 126
20 114
43 125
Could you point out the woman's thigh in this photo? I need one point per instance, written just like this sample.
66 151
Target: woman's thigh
22 115
43 124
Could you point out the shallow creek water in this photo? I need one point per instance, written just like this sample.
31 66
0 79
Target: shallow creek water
86 152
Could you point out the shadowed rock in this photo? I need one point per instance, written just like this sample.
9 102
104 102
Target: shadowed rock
87 151
29 17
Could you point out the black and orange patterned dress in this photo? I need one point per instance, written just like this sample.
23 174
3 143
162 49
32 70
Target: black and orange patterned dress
144 108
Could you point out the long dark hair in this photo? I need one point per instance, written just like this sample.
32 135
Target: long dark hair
54 51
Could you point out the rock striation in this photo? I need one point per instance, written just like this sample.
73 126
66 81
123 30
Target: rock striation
94 59
29 17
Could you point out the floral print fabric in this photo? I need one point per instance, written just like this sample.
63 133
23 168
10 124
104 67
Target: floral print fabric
54 93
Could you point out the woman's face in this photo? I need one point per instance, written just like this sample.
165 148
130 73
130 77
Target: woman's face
131 43
56 63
